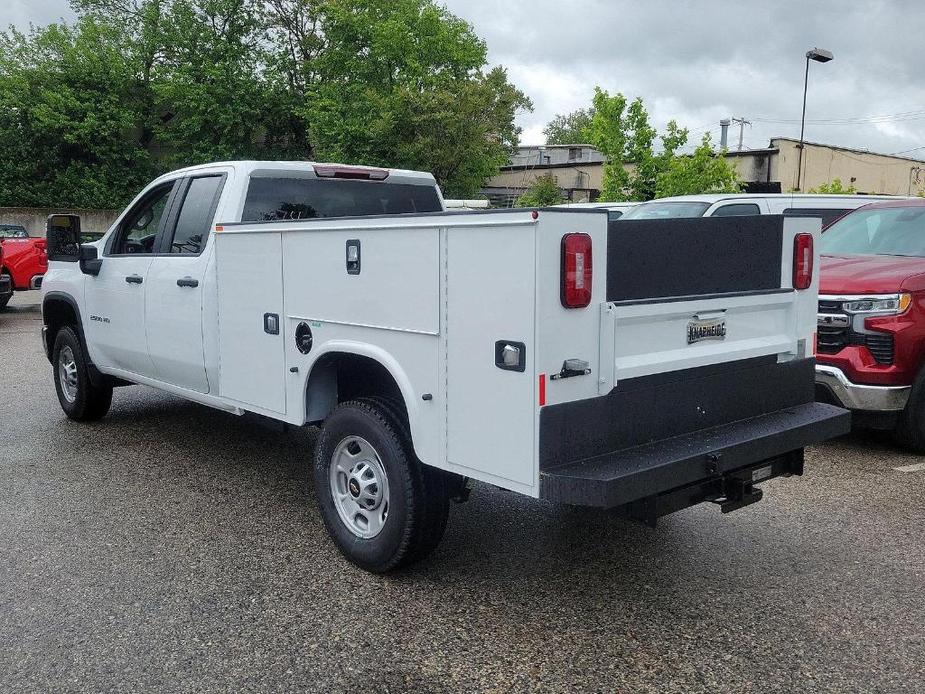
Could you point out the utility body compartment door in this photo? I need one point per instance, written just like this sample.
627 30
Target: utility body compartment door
490 289
252 362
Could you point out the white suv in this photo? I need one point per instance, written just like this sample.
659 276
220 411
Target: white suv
827 207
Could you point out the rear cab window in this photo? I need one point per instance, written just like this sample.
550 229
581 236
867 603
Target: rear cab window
279 198
738 209
667 210
191 230
826 214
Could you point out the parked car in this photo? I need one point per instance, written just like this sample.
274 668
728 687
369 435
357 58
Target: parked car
536 350
6 285
828 208
25 259
871 322
615 210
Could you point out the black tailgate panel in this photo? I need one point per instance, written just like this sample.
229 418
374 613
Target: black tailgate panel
668 258
642 410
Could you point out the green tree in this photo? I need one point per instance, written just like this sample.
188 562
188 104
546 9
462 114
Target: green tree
704 171
544 192
622 131
67 131
608 133
834 187
137 87
570 128
636 169
402 83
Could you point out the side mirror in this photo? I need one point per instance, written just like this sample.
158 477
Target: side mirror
90 262
62 232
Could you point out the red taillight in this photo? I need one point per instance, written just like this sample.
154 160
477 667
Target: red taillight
802 261
351 172
576 271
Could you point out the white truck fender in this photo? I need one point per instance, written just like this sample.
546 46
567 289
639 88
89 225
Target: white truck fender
389 363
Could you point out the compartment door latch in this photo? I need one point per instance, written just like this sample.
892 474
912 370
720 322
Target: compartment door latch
571 368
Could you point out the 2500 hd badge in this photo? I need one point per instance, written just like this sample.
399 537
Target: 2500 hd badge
706 329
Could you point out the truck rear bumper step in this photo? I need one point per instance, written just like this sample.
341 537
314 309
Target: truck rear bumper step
695 459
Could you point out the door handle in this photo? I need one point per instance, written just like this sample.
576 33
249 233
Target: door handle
134 279
187 282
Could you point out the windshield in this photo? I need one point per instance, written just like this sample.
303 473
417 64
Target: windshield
878 231
666 210
11 231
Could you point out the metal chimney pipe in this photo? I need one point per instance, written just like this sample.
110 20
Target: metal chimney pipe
724 133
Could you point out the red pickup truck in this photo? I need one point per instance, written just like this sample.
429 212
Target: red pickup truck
6 285
24 260
871 323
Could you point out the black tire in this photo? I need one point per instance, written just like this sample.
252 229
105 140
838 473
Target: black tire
6 299
87 402
910 428
436 487
405 533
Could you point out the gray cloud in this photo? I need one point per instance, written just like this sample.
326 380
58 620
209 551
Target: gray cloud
698 62
21 13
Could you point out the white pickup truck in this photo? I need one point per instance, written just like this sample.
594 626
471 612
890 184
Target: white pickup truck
644 366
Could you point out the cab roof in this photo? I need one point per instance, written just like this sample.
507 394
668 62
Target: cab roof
712 198
264 168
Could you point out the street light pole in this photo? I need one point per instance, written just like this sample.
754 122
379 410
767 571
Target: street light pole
820 55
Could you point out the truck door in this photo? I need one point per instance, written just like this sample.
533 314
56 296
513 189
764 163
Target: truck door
173 303
115 299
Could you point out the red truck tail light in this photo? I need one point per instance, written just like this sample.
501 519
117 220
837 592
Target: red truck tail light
802 261
576 271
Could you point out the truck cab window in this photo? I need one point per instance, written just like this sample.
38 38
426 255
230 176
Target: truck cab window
195 219
139 230
273 199
736 210
827 215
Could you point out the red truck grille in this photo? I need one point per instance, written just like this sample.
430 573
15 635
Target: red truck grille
833 339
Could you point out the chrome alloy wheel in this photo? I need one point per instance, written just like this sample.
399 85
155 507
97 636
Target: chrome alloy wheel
67 373
359 486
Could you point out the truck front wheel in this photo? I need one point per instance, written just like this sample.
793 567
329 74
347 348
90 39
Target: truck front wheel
80 399
372 490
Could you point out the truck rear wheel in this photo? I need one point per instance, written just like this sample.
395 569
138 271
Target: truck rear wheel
372 491
80 399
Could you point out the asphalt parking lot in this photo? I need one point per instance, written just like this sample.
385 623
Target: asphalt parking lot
175 548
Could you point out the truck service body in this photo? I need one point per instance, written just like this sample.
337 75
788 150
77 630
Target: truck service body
642 365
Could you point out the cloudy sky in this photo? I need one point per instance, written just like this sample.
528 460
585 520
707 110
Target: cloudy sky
698 62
